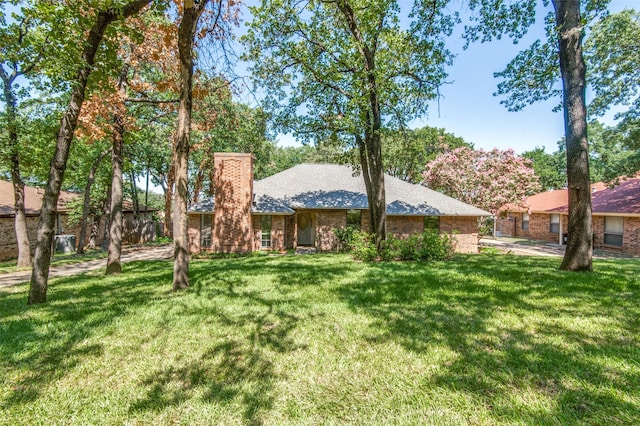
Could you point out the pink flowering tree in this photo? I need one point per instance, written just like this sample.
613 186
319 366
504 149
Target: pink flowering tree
484 179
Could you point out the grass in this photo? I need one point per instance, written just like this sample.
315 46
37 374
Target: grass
321 339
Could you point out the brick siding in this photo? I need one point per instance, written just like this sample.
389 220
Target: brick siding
326 221
403 226
233 180
463 230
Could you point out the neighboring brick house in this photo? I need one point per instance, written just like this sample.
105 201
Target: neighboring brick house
544 216
302 205
133 231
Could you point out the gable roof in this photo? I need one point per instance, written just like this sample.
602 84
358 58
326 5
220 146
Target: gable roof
32 199
332 186
548 201
621 199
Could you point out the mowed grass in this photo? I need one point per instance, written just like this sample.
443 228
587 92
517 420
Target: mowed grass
321 339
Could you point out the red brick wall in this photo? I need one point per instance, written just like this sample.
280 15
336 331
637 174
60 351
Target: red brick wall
233 179
539 225
326 221
463 230
403 226
630 236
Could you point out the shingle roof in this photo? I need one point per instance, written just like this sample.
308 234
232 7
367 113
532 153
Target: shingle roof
621 199
331 186
32 199
556 200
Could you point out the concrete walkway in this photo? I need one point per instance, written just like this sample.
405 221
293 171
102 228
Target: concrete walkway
535 248
128 255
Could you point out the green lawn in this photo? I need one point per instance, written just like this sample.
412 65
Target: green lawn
321 339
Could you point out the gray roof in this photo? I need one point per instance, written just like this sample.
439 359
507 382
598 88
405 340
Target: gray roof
332 186
322 186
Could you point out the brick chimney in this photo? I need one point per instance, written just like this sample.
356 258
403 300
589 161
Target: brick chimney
233 180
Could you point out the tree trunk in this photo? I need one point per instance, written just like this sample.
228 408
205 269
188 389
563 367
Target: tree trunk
20 219
68 123
115 215
168 197
87 201
186 33
106 221
134 195
579 251
371 160
115 229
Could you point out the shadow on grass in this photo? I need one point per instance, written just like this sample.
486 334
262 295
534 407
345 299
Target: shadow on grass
47 341
235 370
515 328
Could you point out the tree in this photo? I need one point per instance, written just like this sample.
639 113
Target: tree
40 272
484 179
344 70
551 169
533 76
23 42
612 52
406 152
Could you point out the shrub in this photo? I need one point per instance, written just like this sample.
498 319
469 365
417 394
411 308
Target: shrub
363 246
345 238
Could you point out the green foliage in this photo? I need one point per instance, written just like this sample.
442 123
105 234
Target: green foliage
405 152
551 169
345 238
363 246
312 66
428 246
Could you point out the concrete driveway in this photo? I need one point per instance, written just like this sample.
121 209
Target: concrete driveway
128 255
540 248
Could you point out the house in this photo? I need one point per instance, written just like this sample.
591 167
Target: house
302 205
544 216
33 203
134 231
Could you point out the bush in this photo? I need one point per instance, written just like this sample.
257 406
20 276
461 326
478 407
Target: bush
427 246
345 238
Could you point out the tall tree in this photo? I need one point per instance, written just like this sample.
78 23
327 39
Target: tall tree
485 179
533 75
612 52
345 70
406 152
190 15
42 258
550 168
22 44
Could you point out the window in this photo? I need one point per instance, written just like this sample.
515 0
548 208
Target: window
265 227
432 223
354 218
525 221
554 226
205 230
613 230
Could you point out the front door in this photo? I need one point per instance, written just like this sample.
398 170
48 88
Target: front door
306 234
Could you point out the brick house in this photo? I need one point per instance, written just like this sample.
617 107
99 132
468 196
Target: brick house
134 231
301 206
544 216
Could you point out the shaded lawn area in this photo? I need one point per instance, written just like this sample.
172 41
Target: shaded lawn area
324 340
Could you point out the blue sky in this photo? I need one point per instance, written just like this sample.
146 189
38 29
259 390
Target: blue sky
468 108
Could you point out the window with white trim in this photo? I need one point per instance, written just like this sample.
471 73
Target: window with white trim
265 228
525 221
613 230
554 225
